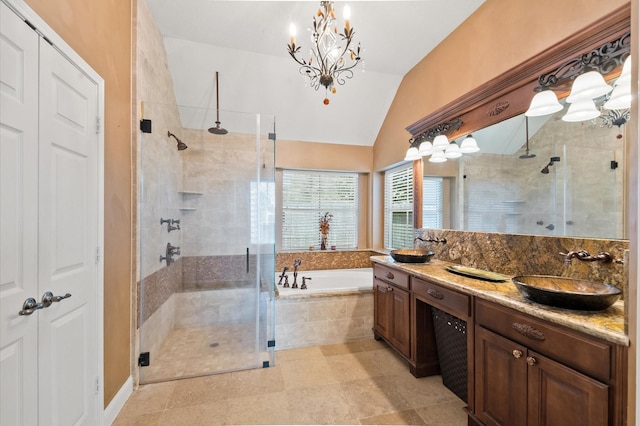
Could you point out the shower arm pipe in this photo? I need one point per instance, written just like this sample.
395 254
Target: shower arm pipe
217 101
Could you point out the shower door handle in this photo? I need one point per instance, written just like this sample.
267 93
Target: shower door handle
247 260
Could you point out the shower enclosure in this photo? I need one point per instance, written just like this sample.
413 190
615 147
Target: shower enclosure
206 222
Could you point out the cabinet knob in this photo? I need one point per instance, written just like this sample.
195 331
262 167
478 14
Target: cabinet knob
516 353
390 276
531 360
389 288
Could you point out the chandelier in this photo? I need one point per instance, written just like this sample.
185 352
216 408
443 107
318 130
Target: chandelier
331 57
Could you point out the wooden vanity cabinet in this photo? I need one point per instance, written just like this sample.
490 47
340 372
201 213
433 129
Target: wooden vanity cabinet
530 372
392 313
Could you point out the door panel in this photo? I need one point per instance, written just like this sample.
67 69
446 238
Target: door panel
68 200
18 219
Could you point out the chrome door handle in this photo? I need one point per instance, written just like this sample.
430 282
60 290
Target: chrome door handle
30 306
48 298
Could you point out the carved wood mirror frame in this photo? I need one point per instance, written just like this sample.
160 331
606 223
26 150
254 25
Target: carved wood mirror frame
509 94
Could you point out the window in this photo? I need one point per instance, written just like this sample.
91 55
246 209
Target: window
307 196
432 204
398 208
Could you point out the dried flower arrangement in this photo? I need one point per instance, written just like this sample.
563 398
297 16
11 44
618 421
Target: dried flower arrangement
324 229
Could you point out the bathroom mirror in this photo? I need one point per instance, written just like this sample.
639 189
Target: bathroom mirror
575 184
570 182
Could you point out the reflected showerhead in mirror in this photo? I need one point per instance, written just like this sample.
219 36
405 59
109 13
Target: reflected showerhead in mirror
526 154
545 169
181 145
217 130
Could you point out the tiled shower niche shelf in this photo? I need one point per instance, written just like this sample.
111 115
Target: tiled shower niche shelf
188 194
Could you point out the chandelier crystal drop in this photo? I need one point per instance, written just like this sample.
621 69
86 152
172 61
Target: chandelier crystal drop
331 58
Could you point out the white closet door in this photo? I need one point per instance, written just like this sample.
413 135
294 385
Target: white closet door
68 241
18 219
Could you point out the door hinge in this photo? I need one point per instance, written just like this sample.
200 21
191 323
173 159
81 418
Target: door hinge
98 385
98 257
98 126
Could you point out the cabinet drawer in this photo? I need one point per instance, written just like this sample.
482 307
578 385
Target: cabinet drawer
394 276
577 350
450 301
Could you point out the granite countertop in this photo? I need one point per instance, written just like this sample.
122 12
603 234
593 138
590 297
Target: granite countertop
607 325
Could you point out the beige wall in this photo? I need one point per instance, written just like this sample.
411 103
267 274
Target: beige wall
479 50
101 33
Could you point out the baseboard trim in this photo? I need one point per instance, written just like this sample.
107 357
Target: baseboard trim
118 401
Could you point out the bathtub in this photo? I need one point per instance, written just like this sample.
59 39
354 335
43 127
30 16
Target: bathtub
336 307
328 282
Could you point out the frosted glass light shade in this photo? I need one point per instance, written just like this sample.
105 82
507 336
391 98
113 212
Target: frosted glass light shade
589 85
412 154
452 151
425 148
543 103
469 145
440 142
620 98
581 111
438 157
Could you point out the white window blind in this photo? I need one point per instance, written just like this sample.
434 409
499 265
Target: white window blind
432 202
398 208
307 196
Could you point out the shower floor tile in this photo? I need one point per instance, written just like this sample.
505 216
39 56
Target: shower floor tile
306 386
191 352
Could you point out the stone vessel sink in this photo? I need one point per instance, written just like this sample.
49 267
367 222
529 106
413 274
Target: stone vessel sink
568 293
411 256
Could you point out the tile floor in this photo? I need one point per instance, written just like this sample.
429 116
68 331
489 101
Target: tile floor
194 351
352 383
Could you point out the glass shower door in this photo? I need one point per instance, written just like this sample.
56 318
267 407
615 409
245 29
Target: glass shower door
207 253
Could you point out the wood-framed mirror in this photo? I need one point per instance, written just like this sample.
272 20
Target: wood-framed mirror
541 179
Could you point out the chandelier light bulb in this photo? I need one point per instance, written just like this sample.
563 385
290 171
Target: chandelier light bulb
292 33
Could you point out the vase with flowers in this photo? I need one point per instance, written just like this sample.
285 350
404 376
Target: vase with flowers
324 229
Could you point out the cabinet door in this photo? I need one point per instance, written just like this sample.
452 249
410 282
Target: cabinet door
400 320
382 308
500 380
558 395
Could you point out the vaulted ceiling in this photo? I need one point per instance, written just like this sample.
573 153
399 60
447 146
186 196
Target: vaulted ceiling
245 41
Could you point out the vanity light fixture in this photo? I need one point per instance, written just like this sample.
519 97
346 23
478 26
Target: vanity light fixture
329 61
544 103
412 154
584 76
453 151
581 110
438 157
469 145
440 143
